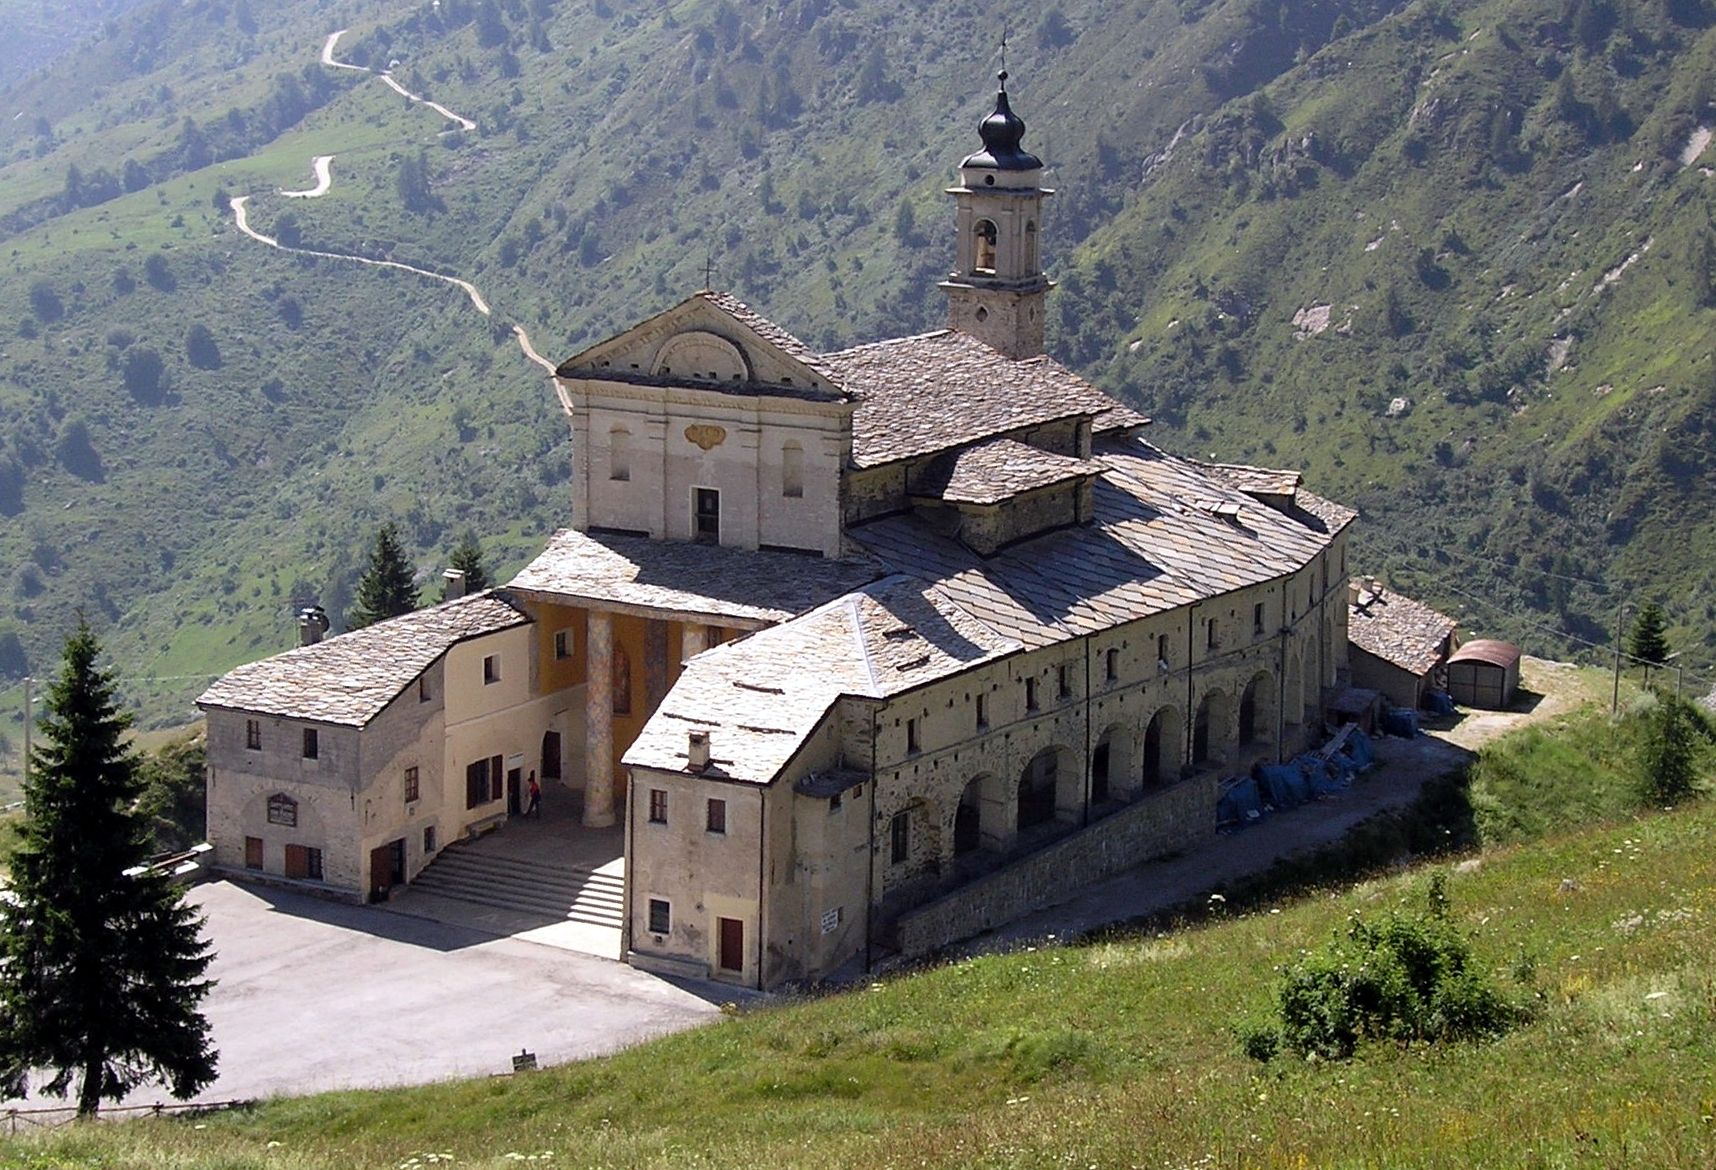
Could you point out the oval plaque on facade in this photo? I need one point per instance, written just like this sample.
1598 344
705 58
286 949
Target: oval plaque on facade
705 435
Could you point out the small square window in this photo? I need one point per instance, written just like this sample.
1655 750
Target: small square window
716 821
411 786
657 806
282 810
253 734
660 916
562 644
312 744
491 669
913 743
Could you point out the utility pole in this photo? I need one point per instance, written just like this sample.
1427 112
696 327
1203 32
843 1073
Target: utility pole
1620 619
29 723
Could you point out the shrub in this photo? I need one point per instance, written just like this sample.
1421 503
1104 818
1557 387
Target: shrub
1408 977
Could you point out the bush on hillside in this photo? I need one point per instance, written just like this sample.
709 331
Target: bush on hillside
1408 977
1676 742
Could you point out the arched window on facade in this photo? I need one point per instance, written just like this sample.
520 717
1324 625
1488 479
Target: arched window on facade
1030 245
619 454
984 254
792 471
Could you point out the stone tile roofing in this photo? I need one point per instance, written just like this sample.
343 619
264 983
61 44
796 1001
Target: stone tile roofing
764 328
707 581
762 697
1158 542
918 395
1398 630
995 470
1267 481
351 678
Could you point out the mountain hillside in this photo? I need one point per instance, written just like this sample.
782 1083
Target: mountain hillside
201 431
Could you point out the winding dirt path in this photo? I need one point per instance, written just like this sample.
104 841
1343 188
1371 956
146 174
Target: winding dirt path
322 166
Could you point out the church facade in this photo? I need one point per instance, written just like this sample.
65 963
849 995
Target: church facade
867 650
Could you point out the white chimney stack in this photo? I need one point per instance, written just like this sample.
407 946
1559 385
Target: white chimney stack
455 583
698 752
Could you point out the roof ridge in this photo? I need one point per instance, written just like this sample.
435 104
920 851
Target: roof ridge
886 341
856 620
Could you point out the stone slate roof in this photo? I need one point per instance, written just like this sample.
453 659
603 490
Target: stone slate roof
351 678
762 697
1266 481
764 328
1158 542
996 470
919 395
1398 630
708 581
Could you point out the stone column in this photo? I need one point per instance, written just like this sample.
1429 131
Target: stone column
655 663
599 722
693 639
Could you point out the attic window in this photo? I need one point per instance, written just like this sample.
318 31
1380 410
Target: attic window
914 663
899 633
282 810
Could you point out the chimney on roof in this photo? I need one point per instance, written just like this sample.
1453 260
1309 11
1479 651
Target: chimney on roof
697 753
454 583
312 624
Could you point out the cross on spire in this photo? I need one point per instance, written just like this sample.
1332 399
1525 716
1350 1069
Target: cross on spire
1005 30
708 271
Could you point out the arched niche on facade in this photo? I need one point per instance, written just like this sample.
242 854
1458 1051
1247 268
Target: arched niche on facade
702 356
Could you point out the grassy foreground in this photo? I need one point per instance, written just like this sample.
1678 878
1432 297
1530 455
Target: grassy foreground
1115 1054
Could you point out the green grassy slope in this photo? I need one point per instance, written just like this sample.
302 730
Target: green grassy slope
802 148
1117 1053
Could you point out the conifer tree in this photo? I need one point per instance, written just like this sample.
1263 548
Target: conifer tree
1648 641
101 969
385 590
468 559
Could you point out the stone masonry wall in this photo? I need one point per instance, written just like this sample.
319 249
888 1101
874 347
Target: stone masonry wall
1178 817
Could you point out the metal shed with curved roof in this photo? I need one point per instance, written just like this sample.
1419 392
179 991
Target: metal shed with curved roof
1484 673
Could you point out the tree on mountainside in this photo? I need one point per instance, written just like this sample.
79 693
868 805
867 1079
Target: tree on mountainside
101 965
386 589
468 559
201 348
1648 641
412 183
1676 735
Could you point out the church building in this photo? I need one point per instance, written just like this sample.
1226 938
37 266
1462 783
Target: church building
867 651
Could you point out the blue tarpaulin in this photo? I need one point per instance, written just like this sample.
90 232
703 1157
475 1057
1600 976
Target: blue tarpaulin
1401 721
1282 785
1239 804
1358 749
1438 702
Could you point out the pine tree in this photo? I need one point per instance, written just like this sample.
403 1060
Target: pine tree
101 970
385 590
468 558
1648 641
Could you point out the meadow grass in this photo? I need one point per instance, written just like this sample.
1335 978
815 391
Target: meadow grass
1119 1052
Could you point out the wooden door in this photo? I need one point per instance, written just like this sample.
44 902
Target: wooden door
730 955
513 783
386 868
253 853
297 862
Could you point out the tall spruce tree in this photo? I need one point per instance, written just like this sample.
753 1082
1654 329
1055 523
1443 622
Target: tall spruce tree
1648 641
385 590
468 559
101 970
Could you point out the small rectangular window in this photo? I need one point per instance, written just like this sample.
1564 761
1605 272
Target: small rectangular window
411 786
1162 651
834 803
562 644
312 744
1210 635
1257 618
899 837
1030 694
658 806
706 516
912 742
253 734
660 916
716 819
423 695
1111 665
428 840
1063 681
982 712
491 669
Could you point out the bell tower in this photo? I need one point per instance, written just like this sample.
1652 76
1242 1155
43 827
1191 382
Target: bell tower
997 288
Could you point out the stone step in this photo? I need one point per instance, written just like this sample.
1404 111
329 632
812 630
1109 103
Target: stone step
545 870
613 920
521 886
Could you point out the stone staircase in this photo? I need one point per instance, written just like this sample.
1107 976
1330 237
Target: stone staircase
554 893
